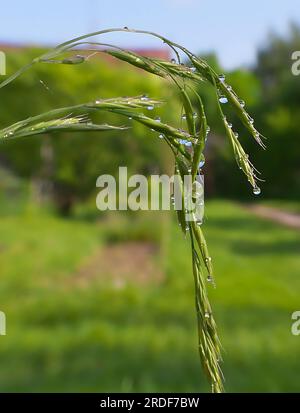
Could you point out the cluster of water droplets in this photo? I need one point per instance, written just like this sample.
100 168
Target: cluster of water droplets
207 133
222 98
184 116
7 135
208 260
185 142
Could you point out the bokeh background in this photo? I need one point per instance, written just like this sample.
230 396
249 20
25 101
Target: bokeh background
104 301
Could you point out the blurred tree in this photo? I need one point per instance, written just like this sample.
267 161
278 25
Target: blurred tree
72 162
278 112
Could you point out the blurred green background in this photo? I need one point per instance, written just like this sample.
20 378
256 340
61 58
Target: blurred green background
104 301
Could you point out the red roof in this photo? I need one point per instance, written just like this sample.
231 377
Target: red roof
160 53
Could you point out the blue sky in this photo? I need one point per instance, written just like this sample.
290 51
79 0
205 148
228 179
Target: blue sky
232 28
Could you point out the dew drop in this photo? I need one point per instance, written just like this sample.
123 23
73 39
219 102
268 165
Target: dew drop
229 88
236 135
173 61
242 103
161 136
207 260
193 69
256 190
209 279
223 99
185 142
195 115
183 117
207 315
150 107
201 164
44 84
125 28
157 119
229 125
222 78
144 98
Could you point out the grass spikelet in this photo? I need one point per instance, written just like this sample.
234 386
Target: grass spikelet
187 146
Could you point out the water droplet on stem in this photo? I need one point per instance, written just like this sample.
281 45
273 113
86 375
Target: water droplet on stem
256 190
223 99
222 78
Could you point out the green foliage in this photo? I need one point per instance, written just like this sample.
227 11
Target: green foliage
277 112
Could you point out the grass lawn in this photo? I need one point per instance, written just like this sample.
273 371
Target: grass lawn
103 335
